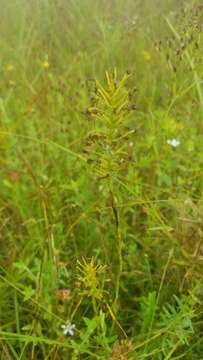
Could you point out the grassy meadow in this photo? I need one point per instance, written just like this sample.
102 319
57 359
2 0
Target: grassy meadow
101 187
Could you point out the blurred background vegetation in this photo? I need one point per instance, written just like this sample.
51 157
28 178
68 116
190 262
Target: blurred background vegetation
119 259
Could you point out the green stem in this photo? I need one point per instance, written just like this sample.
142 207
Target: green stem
119 245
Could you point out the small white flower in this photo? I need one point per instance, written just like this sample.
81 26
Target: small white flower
173 142
68 328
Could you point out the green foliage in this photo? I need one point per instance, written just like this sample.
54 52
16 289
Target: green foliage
108 142
101 201
148 308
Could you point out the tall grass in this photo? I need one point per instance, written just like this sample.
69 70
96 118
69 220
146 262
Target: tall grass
101 203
